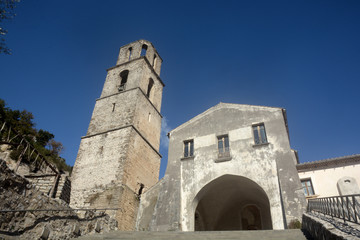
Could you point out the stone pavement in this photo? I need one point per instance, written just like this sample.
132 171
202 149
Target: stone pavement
295 234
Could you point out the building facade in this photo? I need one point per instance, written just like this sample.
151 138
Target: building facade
229 168
330 177
119 158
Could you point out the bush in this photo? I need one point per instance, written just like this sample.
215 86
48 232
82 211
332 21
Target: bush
294 224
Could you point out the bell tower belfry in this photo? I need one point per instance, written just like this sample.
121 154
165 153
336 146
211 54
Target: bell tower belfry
119 158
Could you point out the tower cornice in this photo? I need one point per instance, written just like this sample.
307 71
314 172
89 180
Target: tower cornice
122 127
131 89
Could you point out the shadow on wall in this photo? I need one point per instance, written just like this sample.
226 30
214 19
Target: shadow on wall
232 203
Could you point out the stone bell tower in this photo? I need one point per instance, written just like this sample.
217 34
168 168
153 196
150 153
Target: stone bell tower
119 158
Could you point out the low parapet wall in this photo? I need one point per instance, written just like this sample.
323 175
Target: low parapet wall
322 227
27 213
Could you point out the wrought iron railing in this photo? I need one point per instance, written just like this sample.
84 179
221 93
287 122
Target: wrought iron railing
344 207
225 152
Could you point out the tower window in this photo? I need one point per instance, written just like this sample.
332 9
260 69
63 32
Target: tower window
151 83
129 53
223 146
123 76
188 148
154 61
259 134
143 50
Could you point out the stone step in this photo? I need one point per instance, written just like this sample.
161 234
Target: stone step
294 234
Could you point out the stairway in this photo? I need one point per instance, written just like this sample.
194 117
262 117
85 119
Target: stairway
295 234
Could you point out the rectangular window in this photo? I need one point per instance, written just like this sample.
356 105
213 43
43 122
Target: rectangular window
223 146
188 148
259 134
307 186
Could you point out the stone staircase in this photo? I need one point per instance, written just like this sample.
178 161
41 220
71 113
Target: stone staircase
295 234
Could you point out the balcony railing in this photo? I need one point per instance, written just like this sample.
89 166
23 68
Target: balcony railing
224 153
344 207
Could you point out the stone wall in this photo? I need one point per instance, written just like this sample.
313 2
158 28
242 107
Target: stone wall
322 227
118 159
46 183
147 207
128 205
139 74
136 46
45 179
64 189
16 193
98 169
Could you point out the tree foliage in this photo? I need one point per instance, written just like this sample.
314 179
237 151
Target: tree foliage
55 147
42 140
43 137
7 12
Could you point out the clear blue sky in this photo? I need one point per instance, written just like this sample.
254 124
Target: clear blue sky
300 55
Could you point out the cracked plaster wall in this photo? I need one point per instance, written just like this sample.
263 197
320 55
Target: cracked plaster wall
271 166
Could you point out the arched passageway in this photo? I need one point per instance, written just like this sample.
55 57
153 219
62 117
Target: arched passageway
232 203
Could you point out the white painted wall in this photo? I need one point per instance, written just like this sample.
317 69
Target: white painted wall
245 162
325 180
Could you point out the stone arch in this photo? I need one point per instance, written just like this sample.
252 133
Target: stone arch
222 204
123 80
144 49
251 217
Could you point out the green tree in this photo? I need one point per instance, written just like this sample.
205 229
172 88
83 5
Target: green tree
43 137
6 12
42 140
55 147
3 109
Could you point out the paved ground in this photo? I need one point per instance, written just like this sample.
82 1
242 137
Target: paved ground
222 235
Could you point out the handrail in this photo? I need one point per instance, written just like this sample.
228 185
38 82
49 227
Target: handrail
59 210
345 207
28 147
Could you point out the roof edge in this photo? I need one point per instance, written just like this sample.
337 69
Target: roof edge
330 162
213 108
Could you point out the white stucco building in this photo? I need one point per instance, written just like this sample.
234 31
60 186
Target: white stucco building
229 168
330 177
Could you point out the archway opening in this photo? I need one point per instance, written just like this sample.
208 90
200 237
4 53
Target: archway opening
232 203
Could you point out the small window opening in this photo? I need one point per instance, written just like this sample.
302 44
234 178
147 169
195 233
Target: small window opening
188 148
259 134
113 109
149 117
307 187
223 146
154 61
143 50
151 83
124 76
129 53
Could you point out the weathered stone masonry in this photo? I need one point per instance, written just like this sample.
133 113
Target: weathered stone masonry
119 158
17 193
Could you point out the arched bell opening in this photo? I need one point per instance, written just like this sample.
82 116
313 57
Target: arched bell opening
232 203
